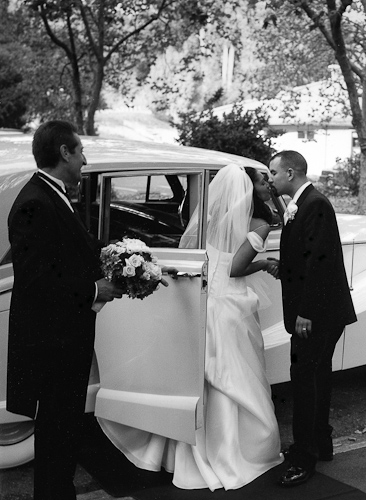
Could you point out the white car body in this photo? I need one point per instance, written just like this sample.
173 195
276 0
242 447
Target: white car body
148 370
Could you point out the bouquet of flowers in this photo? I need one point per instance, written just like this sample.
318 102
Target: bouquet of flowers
131 264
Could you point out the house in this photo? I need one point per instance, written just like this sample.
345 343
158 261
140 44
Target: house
321 131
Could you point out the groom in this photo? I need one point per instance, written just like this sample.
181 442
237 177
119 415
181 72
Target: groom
317 305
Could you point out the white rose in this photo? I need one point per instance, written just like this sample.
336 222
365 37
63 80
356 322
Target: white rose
128 271
153 270
135 260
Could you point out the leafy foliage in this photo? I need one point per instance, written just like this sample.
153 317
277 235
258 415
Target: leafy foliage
346 177
13 91
13 97
244 134
115 42
289 52
340 29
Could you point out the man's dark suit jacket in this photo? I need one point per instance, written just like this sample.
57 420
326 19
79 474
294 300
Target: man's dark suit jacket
313 278
56 265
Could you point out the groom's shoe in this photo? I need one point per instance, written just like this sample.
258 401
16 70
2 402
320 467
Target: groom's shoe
294 476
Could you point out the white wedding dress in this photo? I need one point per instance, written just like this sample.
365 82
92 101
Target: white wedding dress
239 439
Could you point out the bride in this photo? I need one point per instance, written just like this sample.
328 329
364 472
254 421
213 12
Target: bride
239 439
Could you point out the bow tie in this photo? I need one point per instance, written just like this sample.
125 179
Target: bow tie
57 186
290 212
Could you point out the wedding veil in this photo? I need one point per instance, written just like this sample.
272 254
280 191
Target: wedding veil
230 207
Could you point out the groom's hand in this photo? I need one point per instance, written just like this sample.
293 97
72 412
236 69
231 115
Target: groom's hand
272 267
303 327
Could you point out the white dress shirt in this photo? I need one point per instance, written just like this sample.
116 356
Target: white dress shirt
62 186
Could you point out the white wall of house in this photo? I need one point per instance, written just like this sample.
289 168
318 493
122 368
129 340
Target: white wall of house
320 152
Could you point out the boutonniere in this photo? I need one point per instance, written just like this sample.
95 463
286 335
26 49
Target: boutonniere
290 212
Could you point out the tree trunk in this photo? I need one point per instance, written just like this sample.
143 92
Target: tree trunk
362 191
78 108
76 82
94 102
358 112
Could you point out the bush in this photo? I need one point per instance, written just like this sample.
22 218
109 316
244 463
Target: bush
345 179
244 134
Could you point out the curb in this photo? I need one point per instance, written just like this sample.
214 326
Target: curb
349 443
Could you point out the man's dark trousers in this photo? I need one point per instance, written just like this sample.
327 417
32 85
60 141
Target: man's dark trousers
58 425
311 377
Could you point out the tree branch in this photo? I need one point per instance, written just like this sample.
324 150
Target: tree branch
51 34
155 17
89 35
318 23
343 6
335 19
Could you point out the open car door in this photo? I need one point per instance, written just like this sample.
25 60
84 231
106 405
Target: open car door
150 352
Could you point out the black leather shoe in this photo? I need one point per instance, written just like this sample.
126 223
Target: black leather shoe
294 476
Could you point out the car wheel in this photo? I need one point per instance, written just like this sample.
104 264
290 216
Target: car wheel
16 444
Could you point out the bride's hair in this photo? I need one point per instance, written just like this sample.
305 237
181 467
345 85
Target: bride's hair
260 208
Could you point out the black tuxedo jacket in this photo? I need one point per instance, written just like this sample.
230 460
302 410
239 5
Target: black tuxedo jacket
56 264
313 278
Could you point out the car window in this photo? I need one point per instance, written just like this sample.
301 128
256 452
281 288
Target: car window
153 208
142 189
7 258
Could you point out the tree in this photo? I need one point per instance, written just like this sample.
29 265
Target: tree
100 35
13 97
244 134
13 94
187 74
338 28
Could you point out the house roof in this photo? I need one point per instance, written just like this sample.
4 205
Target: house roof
318 104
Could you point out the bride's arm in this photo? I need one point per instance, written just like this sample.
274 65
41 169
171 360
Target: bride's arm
242 264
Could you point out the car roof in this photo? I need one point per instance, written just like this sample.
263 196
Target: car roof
103 155
115 154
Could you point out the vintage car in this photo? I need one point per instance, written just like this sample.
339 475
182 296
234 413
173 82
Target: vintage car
148 369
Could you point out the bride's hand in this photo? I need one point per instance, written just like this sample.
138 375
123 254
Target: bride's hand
272 267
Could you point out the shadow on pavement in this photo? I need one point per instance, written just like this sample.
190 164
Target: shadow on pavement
119 478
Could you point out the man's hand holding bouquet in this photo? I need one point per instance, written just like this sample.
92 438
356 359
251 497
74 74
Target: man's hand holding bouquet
130 264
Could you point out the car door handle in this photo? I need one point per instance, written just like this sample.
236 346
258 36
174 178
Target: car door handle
184 274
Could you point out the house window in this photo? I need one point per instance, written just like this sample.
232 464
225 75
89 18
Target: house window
306 135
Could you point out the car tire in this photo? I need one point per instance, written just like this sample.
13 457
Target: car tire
16 444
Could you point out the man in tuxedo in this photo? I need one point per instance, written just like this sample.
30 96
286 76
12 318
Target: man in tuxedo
317 305
52 326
